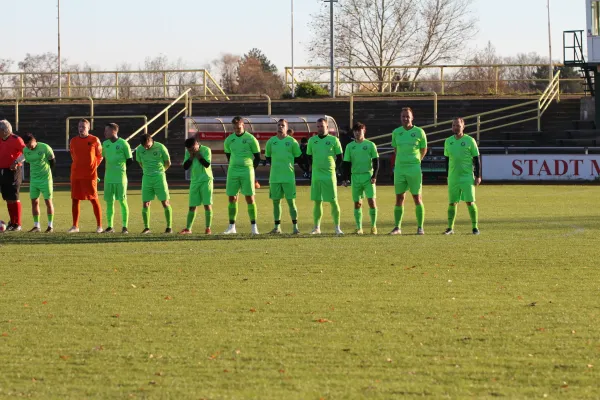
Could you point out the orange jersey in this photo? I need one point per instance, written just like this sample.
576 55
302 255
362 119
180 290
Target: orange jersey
86 154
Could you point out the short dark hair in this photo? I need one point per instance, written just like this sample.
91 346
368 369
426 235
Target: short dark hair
85 121
323 120
290 132
27 138
459 119
145 138
283 120
113 126
237 119
190 142
407 109
304 140
358 126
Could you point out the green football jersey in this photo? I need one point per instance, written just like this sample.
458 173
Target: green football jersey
115 155
198 172
323 152
242 149
38 162
361 156
282 153
152 160
460 153
408 145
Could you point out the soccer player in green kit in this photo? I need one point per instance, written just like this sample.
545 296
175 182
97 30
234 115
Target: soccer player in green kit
325 152
117 157
361 160
410 145
282 151
40 158
154 159
462 157
197 160
243 153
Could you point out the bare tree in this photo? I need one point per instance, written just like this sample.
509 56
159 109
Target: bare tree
376 34
5 80
227 67
38 79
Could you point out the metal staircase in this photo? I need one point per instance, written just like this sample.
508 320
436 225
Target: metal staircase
573 56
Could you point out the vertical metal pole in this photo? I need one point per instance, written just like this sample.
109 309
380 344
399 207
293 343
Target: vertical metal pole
59 62
167 124
551 71
497 75
539 117
21 82
165 94
205 83
442 79
69 84
293 70
478 129
332 79
117 85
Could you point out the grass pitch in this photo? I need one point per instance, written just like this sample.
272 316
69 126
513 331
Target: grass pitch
511 313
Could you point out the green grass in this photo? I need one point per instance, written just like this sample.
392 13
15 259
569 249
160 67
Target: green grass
511 313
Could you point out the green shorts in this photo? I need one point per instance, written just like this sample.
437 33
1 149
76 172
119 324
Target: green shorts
278 191
408 178
240 180
323 189
362 187
115 191
155 186
201 193
461 191
43 188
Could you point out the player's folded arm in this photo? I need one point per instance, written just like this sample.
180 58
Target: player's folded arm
187 164
477 166
256 160
205 163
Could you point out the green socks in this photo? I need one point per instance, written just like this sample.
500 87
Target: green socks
232 208
474 214
110 213
276 210
169 216
451 216
146 217
252 212
50 219
317 212
420 211
36 219
398 213
191 216
125 213
293 209
358 217
373 215
335 212
208 216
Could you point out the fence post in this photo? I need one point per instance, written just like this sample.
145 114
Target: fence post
337 82
22 89
205 83
117 85
442 80
165 93
539 116
69 84
497 75
390 79
167 124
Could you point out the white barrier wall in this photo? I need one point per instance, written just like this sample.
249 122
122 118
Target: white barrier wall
531 167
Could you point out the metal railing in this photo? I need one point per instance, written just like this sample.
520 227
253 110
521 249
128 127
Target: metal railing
108 84
404 94
228 97
535 107
19 102
489 79
165 112
92 117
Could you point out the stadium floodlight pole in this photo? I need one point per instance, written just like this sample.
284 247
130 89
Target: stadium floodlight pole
59 62
551 72
331 88
293 83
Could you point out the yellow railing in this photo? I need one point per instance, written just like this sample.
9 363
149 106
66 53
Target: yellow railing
185 95
534 107
403 94
92 117
228 97
19 102
108 84
444 79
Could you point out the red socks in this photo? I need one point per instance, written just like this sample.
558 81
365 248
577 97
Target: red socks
15 211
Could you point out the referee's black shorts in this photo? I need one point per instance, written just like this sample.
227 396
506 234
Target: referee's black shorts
10 183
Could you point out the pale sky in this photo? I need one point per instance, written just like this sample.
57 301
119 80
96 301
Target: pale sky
110 32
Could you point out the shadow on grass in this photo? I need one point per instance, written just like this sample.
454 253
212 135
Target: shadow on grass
23 238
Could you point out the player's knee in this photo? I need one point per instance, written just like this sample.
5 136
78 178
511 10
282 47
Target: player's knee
166 203
146 204
453 204
357 205
233 199
208 207
372 203
192 209
250 199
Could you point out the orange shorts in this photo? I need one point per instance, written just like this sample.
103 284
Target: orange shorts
84 189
